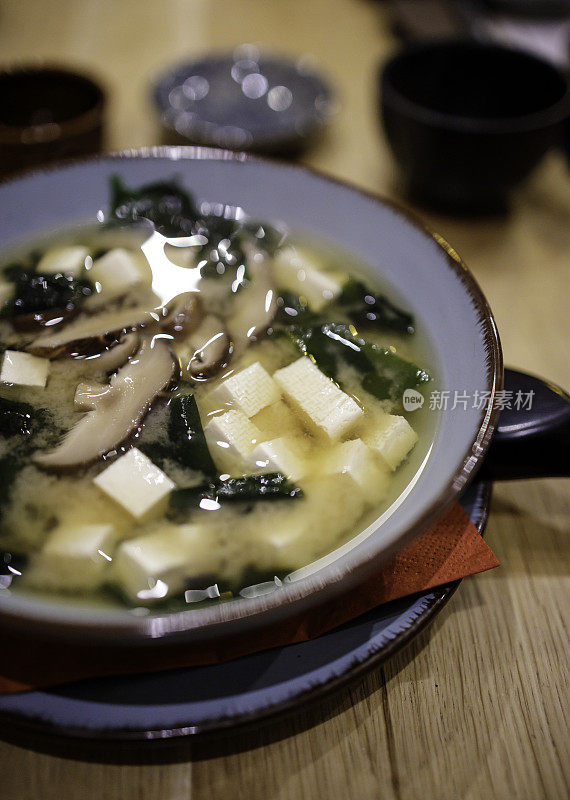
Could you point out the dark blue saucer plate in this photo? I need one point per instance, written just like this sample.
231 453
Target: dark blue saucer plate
243 100
250 690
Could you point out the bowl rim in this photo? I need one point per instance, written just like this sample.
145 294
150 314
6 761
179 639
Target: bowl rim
552 114
68 128
296 597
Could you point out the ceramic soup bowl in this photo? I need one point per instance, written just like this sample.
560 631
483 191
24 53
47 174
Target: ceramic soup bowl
415 266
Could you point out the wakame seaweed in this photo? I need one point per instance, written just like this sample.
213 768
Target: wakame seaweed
247 489
383 373
19 419
169 207
391 375
186 443
223 251
187 447
220 237
292 311
34 292
186 435
271 486
365 308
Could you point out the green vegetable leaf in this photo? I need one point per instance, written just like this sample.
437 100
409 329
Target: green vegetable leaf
186 435
182 501
169 207
365 308
291 310
383 373
186 443
34 292
391 375
173 213
24 421
248 489
266 236
271 486
19 419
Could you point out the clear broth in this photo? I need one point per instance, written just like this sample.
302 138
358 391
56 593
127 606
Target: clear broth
251 549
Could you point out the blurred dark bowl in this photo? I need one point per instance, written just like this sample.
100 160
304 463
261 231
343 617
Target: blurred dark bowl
468 121
243 100
47 114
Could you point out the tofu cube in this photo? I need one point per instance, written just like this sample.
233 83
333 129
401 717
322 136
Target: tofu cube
6 293
231 438
285 539
297 535
360 464
67 260
277 420
296 271
392 439
24 369
75 558
277 455
326 408
137 484
117 272
249 390
156 565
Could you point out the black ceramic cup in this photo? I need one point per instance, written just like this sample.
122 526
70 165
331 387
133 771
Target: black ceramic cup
468 121
47 114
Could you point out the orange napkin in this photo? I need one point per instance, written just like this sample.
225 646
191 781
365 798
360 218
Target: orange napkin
450 550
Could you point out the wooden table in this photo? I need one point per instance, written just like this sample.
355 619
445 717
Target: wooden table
474 707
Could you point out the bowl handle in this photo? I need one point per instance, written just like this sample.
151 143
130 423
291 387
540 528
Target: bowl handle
532 438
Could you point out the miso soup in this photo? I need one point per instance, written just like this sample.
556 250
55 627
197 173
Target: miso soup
192 402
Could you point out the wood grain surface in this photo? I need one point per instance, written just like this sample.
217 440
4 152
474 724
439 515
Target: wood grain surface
475 707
